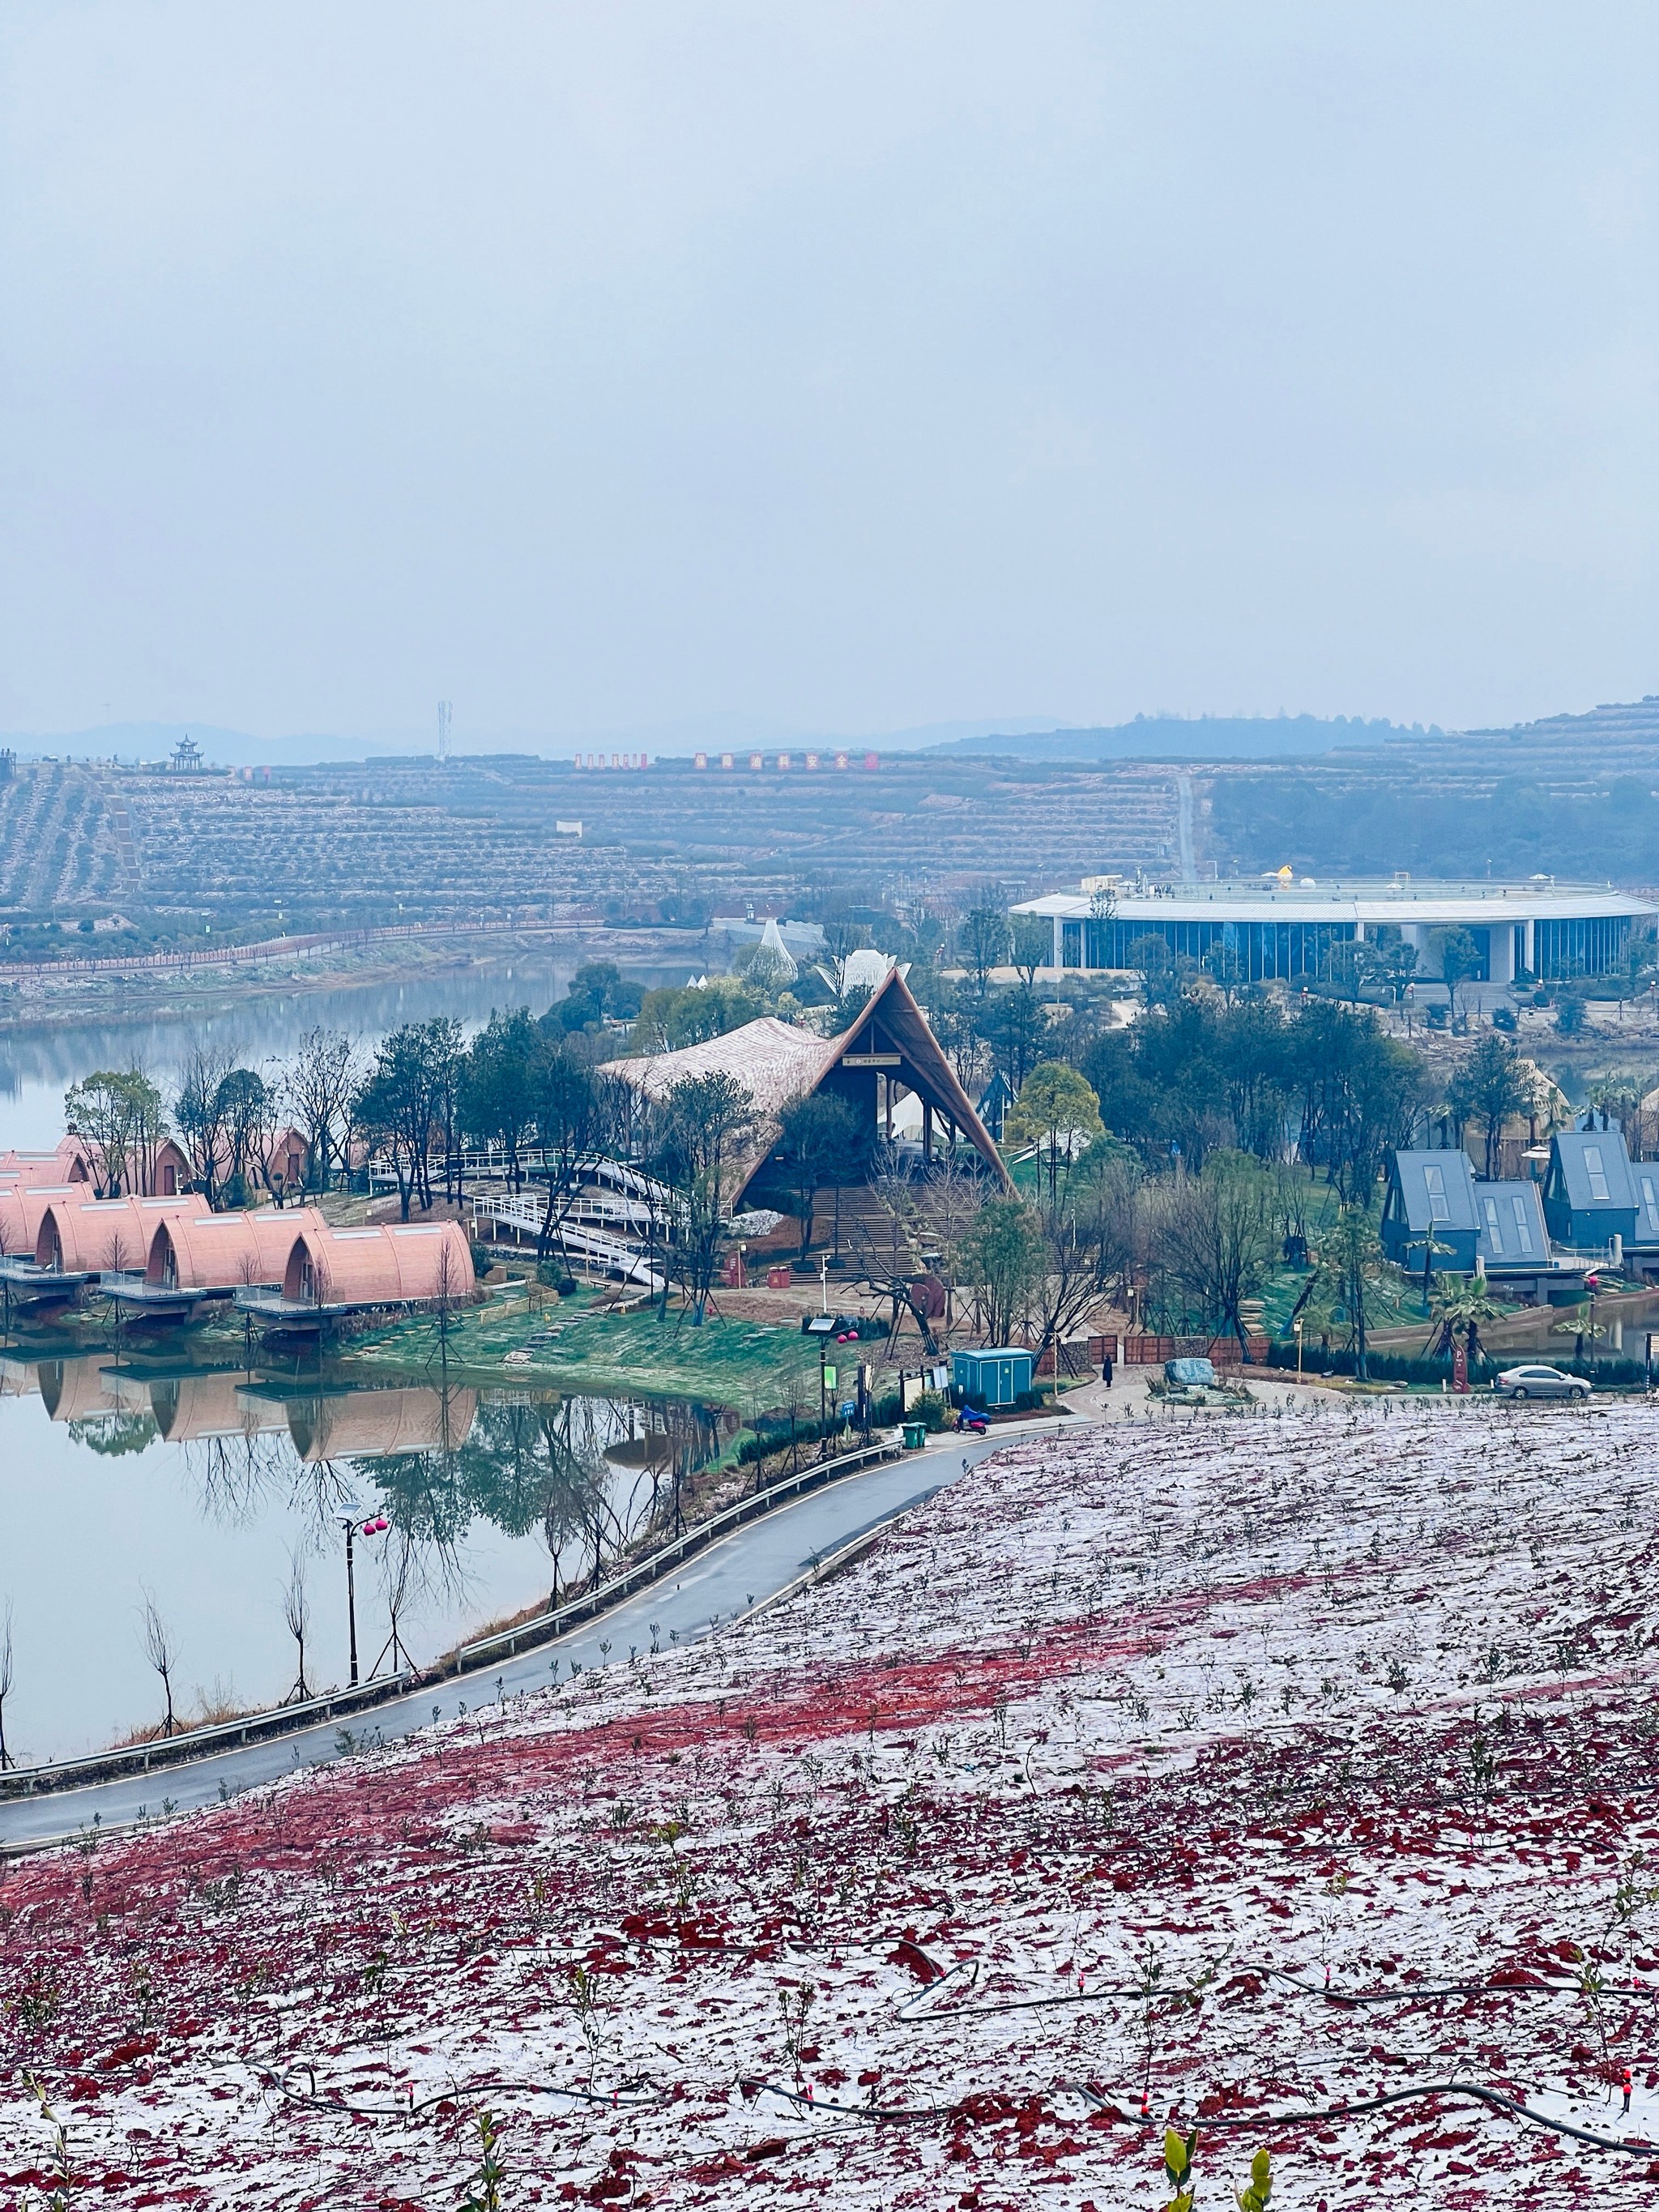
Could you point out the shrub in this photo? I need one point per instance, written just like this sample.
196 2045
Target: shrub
1401 1367
771 1437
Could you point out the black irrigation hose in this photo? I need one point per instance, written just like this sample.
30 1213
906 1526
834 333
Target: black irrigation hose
804 2100
1408 1993
1451 1990
620 2099
1493 2098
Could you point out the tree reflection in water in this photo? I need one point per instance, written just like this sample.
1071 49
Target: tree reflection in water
590 1477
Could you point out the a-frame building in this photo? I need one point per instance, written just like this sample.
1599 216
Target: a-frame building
889 1051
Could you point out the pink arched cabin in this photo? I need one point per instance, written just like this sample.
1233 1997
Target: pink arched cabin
80 1236
392 1263
196 1251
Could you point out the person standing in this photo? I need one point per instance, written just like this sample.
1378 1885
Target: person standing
1106 1370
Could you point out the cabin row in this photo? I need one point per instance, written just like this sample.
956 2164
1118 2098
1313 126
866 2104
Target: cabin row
1593 1206
167 1254
159 1171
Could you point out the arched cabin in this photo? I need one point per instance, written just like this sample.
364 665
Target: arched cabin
193 1251
80 1236
390 1263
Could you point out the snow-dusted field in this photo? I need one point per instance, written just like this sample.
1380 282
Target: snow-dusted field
1231 1772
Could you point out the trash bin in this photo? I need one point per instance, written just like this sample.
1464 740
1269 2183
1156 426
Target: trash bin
915 1434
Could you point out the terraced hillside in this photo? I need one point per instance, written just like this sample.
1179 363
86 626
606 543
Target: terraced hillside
362 842
1571 796
60 839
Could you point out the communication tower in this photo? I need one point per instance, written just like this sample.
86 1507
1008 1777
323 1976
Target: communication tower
445 711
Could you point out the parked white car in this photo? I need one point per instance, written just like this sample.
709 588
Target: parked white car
1540 1382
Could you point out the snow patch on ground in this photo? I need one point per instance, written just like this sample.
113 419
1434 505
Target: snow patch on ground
1225 1773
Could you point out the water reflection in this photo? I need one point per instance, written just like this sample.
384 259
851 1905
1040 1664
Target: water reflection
497 1502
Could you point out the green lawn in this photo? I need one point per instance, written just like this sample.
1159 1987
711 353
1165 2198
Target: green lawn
744 1366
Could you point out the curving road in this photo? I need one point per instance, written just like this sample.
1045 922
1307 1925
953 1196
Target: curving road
754 1563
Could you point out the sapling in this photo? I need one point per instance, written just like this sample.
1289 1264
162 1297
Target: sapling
1178 2167
161 1651
795 2003
58 2164
583 1995
484 2191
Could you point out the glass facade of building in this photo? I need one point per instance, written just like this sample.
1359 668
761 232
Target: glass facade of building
1294 951
1579 948
1266 950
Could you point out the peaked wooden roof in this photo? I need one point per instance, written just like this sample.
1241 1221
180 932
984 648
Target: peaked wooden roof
777 1061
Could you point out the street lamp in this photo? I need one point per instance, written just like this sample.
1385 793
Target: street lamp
375 1526
1296 1325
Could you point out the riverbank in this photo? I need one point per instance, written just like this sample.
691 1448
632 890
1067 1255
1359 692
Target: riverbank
172 992
579 1345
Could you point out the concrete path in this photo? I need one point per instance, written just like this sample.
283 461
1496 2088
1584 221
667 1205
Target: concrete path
745 1569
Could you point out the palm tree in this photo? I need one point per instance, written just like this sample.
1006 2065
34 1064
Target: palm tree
1430 1244
1584 1327
1458 1308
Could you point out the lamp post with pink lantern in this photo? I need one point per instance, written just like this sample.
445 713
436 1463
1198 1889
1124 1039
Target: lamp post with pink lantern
376 1525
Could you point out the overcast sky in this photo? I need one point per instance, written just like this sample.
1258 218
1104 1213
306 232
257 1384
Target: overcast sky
645 369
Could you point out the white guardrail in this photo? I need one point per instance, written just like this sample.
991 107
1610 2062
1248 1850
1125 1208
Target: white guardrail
190 1744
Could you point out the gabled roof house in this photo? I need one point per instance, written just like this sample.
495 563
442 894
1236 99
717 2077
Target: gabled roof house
1430 1202
1512 1235
1589 1195
887 1049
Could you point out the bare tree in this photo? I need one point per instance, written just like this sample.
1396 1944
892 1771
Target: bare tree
318 1083
296 1611
448 1292
951 1195
398 1572
198 1109
161 1651
1082 1257
1215 1231
6 1679
886 1257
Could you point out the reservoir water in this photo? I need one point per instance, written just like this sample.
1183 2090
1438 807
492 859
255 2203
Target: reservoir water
207 1493
38 1064
201 1490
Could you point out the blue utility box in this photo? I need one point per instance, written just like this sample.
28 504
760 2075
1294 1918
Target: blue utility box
995 1377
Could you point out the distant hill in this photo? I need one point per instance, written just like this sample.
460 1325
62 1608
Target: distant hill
1202 737
154 741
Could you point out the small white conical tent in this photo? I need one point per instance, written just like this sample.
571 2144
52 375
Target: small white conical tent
772 942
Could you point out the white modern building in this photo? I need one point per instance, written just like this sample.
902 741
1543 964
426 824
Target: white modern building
1281 928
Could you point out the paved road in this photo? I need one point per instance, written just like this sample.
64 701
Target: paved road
744 1569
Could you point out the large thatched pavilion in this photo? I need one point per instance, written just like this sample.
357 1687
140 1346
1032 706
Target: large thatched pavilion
888 1054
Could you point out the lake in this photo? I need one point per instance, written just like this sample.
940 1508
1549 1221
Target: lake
37 1064
203 1490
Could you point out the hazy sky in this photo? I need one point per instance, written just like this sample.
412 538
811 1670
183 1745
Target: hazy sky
632 367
